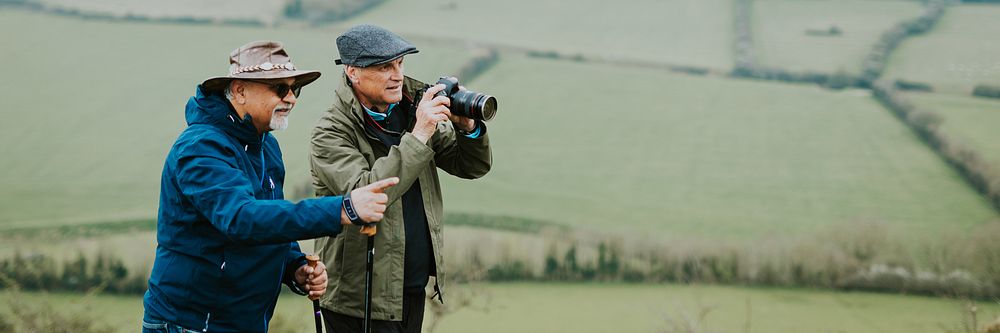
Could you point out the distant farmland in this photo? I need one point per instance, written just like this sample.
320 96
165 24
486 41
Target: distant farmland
630 149
94 127
962 51
973 121
682 179
794 34
680 32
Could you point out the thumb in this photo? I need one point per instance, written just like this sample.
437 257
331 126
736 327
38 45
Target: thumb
431 91
380 186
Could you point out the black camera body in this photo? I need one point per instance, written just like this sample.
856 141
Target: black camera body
467 103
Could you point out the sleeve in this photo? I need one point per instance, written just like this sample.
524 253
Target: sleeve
294 259
222 193
460 155
338 163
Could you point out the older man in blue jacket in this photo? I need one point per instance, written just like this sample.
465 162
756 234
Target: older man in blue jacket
226 238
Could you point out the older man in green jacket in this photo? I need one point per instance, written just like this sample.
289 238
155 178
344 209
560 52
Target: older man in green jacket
382 124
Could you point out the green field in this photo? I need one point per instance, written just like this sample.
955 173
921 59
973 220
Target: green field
534 307
781 39
693 157
88 124
682 156
656 160
963 50
261 11
972 121
680 32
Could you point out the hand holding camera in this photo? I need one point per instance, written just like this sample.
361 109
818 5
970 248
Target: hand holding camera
456 103
431 111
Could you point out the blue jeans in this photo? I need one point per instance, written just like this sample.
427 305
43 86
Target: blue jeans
155 326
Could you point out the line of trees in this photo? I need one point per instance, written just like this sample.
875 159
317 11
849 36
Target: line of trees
743 51
41 272
133 17
856 256
878 57
325 11
482 60
988 91
853 256
927 125
746 65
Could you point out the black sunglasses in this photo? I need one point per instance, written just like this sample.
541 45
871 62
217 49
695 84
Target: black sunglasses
281 88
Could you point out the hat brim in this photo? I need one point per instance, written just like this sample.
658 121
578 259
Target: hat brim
302 78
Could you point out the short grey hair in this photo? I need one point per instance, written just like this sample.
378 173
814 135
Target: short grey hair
229 91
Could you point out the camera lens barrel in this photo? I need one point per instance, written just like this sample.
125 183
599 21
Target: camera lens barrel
468 103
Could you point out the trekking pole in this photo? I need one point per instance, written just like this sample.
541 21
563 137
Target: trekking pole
369 267
313 260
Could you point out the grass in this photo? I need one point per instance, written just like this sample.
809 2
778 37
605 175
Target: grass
96 105
677 156
261 11
541 307
680 32
781 41
959 53
973 121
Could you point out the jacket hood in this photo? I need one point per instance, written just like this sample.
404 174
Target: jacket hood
213 109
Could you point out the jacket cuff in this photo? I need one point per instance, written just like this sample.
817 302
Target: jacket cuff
477 131
294 287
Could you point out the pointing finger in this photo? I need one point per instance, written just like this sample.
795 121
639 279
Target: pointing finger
380 186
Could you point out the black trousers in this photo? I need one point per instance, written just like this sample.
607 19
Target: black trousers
413 318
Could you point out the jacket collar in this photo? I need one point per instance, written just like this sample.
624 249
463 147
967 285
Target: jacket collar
213 109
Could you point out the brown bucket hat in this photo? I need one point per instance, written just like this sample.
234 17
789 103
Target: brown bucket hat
260 60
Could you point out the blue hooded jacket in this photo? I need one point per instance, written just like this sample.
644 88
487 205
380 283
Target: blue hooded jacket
226 239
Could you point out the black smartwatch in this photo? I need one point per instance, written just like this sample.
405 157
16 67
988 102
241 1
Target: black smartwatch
352 214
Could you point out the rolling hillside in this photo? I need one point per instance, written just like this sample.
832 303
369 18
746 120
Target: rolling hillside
96 106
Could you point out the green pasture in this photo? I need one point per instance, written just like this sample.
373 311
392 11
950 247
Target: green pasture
92 108
679 32
691 157
541 307
972 121
783 39
960 52
640 151
256 10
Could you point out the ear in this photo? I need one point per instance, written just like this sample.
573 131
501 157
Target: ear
239 92
352 73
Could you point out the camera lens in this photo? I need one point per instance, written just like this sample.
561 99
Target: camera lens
487 106
474 105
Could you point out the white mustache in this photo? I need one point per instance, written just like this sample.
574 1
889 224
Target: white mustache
284 107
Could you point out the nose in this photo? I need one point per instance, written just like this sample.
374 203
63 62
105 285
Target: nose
397 72
290 97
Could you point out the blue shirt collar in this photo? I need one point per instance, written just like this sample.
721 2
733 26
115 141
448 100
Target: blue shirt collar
380 116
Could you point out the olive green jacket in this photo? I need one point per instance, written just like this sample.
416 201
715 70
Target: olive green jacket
344 157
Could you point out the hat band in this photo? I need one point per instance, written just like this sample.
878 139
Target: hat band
263 67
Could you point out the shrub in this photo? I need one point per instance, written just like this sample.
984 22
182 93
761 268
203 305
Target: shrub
983 90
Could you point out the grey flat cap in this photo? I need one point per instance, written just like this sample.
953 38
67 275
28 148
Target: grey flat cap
366 45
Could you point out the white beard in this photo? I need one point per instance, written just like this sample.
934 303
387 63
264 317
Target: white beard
278 123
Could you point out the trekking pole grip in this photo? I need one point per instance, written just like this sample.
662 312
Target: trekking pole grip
313 260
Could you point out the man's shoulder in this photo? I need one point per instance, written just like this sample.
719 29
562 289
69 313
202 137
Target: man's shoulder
201 139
